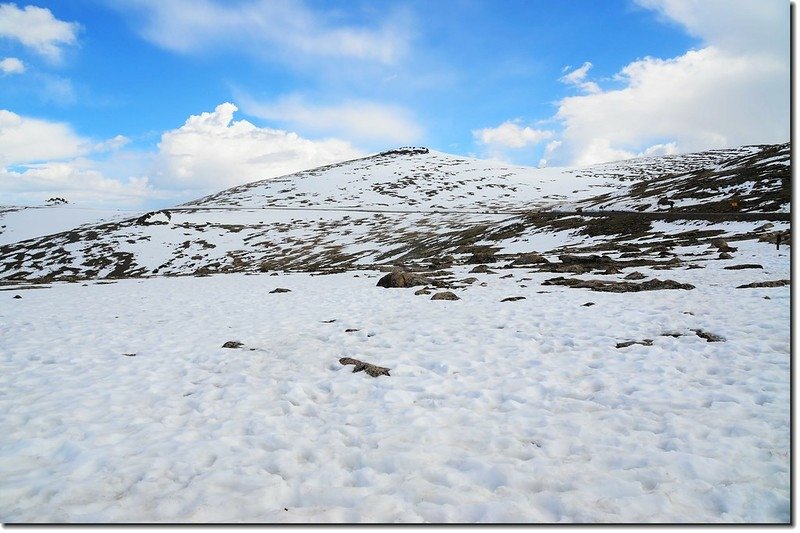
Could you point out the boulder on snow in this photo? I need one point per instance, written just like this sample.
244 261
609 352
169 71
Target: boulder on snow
635 276
446 295
531 258
481 258
400 279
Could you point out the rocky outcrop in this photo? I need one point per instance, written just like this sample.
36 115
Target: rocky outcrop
400 279
618 286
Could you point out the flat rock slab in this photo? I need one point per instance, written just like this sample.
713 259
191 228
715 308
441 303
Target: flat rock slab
760 284
618 286
742 267
710 337
512 298
645 342
369 368
233 344
279 290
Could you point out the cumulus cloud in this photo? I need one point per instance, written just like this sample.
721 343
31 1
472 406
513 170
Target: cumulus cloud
732 91
370 123
12 65
209 152
510 134
37 28
212 151
289 26
26 140
76 180
577 78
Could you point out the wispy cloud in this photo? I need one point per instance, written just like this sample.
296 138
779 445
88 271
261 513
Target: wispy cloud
370 123
37 28
577 78
265 27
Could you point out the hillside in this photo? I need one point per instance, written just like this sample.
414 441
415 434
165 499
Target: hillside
417 206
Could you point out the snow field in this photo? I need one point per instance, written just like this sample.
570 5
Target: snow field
495 412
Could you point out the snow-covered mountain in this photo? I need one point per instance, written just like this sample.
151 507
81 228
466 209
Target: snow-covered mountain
404 205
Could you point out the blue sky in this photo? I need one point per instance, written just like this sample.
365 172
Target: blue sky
139 103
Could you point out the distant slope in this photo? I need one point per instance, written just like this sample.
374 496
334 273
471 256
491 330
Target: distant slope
20 223
429 180
416 207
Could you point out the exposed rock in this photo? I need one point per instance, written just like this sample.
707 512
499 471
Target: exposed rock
530 259
710 337
725 255
469 281
635 276
507 276
154 218
481 269
446 295
279 290
644 342
481 258
760 284
618 286
722 246
400 279
588 304
17 297
742 267
233 344
772 237
422 291
129 354
372 370
612 270
589 260
350 330
512 298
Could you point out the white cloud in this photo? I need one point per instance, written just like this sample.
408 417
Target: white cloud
577 78
75 180
37 28
732 91
211 151
288 26
369 123
12 65
511 135
27 140
112 145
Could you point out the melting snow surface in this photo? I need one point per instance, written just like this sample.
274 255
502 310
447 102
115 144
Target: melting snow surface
517 411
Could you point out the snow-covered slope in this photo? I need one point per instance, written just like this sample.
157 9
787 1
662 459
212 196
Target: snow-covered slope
574 351
19 223
428 180
402 205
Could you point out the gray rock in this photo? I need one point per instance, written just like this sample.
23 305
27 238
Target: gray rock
446 295
399 279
